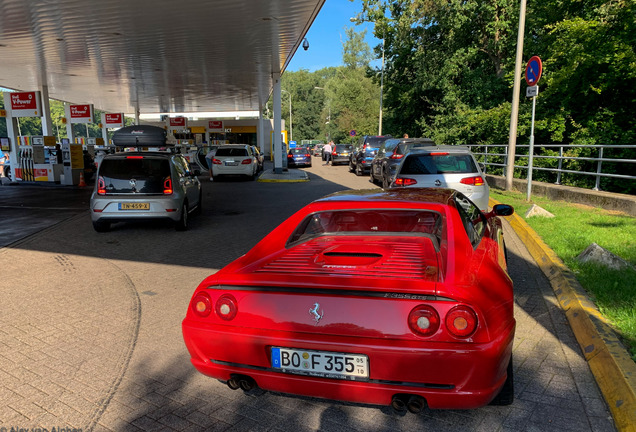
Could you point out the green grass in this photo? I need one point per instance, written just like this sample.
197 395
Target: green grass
573 229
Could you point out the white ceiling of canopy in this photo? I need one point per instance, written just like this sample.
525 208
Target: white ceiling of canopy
157 55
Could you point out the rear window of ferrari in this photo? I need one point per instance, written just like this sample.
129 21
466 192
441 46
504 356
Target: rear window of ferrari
369 222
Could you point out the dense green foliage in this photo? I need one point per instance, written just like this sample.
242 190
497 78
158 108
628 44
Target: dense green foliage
450 70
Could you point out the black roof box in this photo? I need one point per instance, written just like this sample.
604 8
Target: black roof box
142 135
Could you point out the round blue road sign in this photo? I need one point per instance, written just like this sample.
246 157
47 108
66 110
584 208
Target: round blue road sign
352 132
533 70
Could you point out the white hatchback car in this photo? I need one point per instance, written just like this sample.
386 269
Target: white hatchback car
235 159
451 167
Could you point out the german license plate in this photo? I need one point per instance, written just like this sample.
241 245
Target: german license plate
321 363
134 206
231 163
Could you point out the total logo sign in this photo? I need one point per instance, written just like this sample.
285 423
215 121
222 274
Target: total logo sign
81 113
25 104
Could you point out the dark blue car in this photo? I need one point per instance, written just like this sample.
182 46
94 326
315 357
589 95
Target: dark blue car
362 161
299 157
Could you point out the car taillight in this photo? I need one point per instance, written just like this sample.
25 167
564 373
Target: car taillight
167 186
474 181
134 157
424 320
246 161
226 307
101 186
461 321
439 154
307 155
396 156
201 304
290 156
216 162
404 181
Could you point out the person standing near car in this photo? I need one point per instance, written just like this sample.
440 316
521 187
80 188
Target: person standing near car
327 149
208 159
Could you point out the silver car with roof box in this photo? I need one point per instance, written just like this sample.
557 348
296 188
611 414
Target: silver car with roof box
139 185
451 167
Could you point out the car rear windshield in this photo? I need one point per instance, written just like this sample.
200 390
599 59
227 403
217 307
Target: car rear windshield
134 174
343 147
231 151
339 222
439 164
301 151
370 151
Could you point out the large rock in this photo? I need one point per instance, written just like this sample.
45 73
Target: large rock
596 254
535 210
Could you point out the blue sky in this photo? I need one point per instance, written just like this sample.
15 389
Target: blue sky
327 34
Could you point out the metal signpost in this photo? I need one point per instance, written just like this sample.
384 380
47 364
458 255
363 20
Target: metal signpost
533 74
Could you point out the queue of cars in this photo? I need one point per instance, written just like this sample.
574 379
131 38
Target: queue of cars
396 297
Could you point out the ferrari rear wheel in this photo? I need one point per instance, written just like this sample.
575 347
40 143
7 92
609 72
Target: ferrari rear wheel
507 394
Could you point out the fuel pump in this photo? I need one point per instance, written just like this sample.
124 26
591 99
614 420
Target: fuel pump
73 161
25 170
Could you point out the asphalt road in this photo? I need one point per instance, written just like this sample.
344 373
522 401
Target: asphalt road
90 333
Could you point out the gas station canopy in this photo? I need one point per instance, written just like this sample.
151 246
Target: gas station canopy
152 56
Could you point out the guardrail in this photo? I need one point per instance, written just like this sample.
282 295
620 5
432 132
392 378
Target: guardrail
566 153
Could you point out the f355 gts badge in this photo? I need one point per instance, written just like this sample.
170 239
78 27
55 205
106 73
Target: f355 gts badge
315 312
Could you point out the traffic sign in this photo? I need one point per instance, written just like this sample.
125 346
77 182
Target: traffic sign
533 70
352 132
532 91
292 144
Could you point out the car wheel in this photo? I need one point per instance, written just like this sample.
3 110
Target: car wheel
359 171
182 224
507 394
101 226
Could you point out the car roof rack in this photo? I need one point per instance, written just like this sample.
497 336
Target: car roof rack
143 136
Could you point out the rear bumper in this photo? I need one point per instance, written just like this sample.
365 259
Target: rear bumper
447 375
108 210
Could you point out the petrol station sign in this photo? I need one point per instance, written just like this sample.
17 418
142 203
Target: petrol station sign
215 125
26 104
113 120
81 113
178 122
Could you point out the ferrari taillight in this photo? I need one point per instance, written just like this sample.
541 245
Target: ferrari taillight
473 181
461 321
167 186
226 307
201 304
424 320
404 181
101 186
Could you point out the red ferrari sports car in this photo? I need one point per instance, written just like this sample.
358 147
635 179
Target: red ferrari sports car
397 297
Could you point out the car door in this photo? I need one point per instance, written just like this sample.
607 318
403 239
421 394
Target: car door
189 183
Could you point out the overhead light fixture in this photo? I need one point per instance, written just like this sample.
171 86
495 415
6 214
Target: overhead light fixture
305 44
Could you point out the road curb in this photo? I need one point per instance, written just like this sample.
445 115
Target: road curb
609 361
